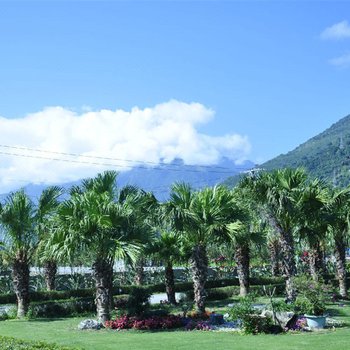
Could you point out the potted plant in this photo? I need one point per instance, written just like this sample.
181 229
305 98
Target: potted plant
311 301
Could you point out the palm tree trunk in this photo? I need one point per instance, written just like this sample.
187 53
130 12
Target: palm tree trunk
50 271
103 275
140 274
20 278
274 257
316 263
199 269
288 262
169 283
340 254
242 260
287 256
313 264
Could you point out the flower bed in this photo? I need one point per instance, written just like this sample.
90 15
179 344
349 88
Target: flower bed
159 323
151 323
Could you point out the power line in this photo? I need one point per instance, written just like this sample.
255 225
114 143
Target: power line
107 158
116 165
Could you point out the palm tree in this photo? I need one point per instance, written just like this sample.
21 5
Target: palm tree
276 194
20 240
250 232
313 222
273 245
46 220
92 221
145 207
166 249
339 208
201 218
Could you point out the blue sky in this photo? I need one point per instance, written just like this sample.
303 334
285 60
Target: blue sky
264 68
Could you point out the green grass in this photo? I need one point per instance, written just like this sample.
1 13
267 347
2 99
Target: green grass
64 332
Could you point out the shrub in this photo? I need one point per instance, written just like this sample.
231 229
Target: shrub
311 296
8 343
256 283
120 301
138 301
60 308
252 322
150 323
230 291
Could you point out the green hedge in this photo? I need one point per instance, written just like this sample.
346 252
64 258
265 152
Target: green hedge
61 308
231 291
49 295
9 343
153 288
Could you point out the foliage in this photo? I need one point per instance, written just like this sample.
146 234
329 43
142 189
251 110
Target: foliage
60 308
214 286
311 296
151 323
322 156
138 301
252 322
8 343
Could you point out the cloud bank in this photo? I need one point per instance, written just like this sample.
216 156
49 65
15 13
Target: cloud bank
128 138
337 31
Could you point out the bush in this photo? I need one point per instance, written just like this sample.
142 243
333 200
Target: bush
150 323
252 322
138 301
10 298
230 291
8 343
311 296
61 308
8 313
120 301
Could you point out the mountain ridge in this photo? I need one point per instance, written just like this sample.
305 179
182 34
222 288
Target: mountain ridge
159 178
325 156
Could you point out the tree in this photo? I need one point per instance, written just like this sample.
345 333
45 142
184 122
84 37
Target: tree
166 249
242 239
339 208
20 240
201 218
313 222
276 194
46 218
145 207
95 221
273 245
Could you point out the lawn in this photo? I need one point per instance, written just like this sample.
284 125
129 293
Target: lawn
65 332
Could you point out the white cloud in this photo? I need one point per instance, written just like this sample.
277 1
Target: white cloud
165 131
341 61
337 31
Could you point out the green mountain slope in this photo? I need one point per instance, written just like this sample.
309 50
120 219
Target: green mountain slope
326 156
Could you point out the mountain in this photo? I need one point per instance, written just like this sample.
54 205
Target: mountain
159 178
326 156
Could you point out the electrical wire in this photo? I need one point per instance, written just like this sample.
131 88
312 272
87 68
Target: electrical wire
117 165
107 158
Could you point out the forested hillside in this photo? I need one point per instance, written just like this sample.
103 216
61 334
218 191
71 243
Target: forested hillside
326 156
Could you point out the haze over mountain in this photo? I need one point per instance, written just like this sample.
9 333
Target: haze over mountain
326 156
159 178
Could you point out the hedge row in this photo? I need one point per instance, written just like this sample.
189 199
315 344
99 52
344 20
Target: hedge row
9 343
61 308
230 291
154 288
